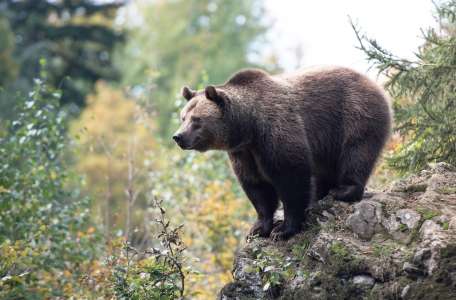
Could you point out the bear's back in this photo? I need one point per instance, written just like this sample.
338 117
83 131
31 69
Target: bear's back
330 106
333 92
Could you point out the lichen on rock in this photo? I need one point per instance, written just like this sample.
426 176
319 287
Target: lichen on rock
398 244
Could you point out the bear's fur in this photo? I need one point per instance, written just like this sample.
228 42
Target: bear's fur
282 132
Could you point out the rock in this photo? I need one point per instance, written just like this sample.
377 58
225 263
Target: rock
452 224
363 281
413 270
435 238
409 217
442 168
297 281
366 219
429 230
248 281
320 248
421 256
400 224
405 291
412 185
437 183
442 219
427 179
400 243
326 217
391 224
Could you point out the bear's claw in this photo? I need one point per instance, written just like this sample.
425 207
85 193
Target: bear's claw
283 232
261 228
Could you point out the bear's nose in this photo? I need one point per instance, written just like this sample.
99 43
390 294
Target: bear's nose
177 138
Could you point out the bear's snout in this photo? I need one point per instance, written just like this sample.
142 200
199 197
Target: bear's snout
179 139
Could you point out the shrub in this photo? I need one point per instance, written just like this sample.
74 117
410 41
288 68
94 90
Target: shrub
157 273
45 233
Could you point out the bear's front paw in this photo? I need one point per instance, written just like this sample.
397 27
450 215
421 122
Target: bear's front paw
261 228
284 231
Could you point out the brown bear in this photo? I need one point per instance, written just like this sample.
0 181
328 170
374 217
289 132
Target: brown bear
326 126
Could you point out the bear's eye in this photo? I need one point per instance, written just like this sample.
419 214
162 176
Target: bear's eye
196 123
196 119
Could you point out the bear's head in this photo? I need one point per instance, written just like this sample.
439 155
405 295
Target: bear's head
203 124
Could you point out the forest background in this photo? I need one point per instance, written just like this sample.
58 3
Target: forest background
93 192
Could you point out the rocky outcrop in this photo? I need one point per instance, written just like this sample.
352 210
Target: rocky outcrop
396 244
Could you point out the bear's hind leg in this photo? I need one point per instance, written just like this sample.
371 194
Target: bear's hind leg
355 167
349 192
323 184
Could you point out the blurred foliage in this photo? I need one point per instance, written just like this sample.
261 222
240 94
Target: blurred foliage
216 224
76 37
174 43
114 152
383 175
45 232
216 215
424 93
8 68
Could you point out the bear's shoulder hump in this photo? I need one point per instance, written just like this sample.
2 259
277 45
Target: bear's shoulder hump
247 76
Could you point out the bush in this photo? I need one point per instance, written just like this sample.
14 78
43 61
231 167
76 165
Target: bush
45 233
158 273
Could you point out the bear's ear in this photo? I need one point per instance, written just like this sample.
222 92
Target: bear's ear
188 93
212 94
